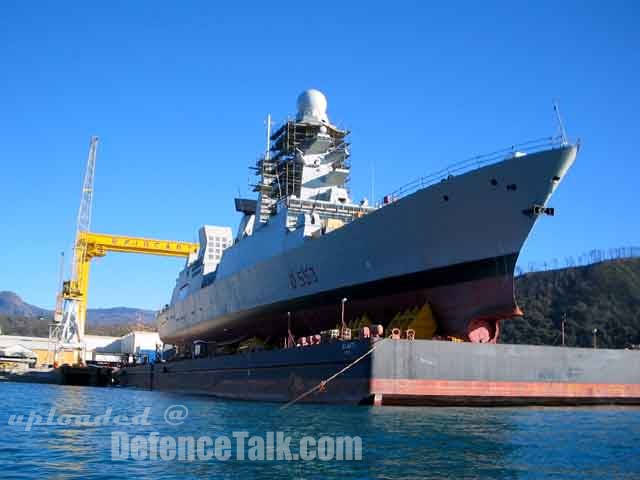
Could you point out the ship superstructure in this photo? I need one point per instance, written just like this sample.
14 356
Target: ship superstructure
201 267
303 176
303 247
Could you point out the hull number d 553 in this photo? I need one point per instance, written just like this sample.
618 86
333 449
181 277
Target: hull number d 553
303 277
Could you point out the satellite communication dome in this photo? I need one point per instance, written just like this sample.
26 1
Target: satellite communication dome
312 105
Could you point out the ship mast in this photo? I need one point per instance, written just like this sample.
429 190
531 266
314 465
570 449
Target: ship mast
563 132
266 168
267 152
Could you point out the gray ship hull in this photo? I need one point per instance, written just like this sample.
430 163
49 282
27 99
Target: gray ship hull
453 244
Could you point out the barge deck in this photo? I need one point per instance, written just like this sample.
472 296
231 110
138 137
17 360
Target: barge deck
406 372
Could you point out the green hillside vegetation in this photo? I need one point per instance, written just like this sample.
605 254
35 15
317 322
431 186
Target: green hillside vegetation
24 326
39 327
604 295
119 330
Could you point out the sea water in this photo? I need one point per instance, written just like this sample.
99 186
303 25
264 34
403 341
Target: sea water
395 442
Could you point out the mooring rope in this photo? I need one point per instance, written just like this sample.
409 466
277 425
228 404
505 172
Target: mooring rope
323 383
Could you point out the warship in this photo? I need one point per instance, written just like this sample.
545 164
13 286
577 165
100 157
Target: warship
450 240
423 277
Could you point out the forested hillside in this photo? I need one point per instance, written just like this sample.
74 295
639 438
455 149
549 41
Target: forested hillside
604 295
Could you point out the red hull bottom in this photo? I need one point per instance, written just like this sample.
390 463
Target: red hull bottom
470 310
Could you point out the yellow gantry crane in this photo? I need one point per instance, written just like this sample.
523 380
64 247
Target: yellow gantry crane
91 245
71 306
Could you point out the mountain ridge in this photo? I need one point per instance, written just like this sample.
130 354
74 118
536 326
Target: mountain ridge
12 305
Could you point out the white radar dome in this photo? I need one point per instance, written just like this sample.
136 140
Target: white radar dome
312 105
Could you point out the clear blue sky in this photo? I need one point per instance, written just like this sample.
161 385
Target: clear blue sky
178 92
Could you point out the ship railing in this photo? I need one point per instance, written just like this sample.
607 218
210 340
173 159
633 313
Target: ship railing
339 209
532 146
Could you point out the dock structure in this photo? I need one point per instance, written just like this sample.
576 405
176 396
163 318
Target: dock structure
31 359
98 348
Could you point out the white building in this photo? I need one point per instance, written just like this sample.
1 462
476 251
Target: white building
136 342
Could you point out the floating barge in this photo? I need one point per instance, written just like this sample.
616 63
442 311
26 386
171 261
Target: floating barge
64 375
406 372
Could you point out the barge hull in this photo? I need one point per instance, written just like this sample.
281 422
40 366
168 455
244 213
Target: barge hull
403 372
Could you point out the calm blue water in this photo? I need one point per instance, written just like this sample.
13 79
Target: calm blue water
456 443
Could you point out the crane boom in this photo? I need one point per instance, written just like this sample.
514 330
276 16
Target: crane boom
68 331
83 223
97 244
